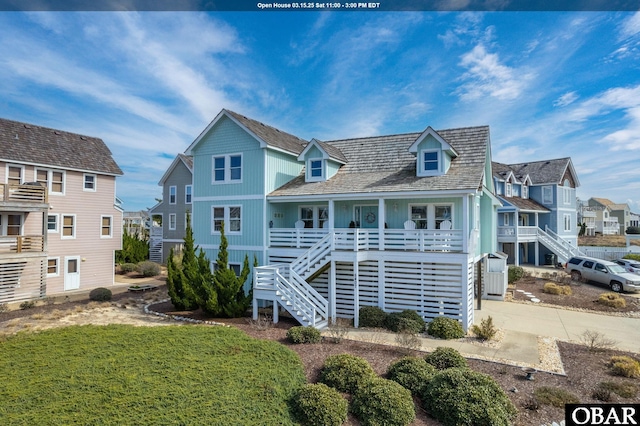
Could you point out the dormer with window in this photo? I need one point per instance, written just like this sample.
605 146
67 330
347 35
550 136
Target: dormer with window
433 154
525 187
321 161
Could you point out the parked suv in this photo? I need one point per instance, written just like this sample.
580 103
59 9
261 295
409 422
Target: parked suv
629 265
603 272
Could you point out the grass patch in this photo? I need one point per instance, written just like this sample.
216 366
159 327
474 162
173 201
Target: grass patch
125 375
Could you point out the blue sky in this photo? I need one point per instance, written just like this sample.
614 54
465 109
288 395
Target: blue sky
549 84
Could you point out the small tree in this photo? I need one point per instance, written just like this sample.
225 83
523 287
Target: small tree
232 301
134 249
184 282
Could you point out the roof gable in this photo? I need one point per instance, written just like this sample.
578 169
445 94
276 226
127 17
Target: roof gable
328 151
267 136
180 159
31 144
430 132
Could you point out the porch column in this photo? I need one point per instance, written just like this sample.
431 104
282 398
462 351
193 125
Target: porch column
381 221
381 284
537 259
465 222
331 215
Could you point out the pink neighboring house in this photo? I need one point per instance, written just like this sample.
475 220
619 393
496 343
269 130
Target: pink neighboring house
59 222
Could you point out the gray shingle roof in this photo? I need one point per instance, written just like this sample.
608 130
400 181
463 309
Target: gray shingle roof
546 171
272 136
333 152
28 143
384 164
188 160
524 203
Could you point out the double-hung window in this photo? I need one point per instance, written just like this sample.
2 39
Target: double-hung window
89 182
15 175
230 215
227 168
430 163
567 222
52 180
525 191
52 223
105 226
172 222
508 189
52 267
68 226
172 194
315 170
431 216
547 195
188 193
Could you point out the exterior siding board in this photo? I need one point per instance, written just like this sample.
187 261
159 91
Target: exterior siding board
280 169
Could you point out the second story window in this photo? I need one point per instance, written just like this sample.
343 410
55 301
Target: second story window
547 195
89 183
15 175
525 191
172 194
51 179
430 161
227 168
57 182
68 226
188 194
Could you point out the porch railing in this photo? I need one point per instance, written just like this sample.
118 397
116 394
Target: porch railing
508 231
358 239
23 192
22 244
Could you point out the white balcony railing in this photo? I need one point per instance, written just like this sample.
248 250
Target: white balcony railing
357 239
510 231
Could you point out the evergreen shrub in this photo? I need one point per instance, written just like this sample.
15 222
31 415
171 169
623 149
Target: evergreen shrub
300 334
100 294
125 268
407 320
458 396
345 371
383 402
371 316
444 357
445 328
319 405
411 372
486 330
515 273
148 268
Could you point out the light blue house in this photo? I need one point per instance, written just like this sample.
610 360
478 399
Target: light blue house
538 221
399 221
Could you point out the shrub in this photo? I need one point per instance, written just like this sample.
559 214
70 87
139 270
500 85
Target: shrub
632 256
445 328
411 372
624 366
625 390
3 307
407 320
553 288
300 334
319 405
459 396
442 358
148 268
515 273
100 294
383 402
371 316
486 330
125 268
345 371
633 230
27 305
557 397
596 341
613 300
338 330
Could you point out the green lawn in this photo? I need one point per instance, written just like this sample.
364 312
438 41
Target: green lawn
121 375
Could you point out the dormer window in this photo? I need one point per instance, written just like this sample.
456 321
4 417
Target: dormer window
508 189
525 191
315 170
430 163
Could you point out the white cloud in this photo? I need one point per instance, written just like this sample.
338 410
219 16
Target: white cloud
566 99
487 76
630 27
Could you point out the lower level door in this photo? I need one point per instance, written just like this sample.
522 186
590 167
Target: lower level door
72 273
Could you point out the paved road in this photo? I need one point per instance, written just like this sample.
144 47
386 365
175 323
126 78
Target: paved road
561 323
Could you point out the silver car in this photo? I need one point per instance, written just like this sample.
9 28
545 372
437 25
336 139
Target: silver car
629 265
603 272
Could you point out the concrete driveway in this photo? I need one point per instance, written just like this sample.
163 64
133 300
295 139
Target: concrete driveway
561 323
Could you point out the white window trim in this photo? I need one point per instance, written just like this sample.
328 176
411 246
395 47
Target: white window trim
17 166
525 191
175 221
323 167
567 220
431 213
57 273
508 190
50 179
421 169
57 230
545 189
567 194
187 193
316 214
110 226
84 182
227 169
226 220
175 198
74 229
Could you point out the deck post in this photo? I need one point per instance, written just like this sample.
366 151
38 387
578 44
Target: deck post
332 291
356 293
276 310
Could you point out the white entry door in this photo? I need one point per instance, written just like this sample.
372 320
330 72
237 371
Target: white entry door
72 273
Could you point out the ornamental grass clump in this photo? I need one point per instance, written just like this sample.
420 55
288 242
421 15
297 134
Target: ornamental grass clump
445 328
613 300
319 405
553 288
443 358
556 397
301 334
380 401
458 396
411 372
345 372
624 366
